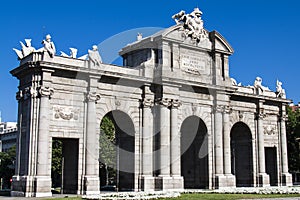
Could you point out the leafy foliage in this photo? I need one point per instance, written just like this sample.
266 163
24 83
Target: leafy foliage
107 149
293 139
7 167
56 166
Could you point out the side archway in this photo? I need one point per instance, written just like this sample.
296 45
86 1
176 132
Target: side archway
194 153
241 154
121 147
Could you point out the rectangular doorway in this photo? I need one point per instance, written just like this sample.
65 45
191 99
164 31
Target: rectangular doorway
271 164
65 158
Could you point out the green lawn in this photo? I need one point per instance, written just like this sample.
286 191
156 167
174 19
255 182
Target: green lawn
213 196
231 196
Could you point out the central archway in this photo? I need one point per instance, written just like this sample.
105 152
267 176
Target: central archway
241 155
194 153
122 151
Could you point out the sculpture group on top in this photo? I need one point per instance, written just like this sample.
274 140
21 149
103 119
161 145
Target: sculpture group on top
49 47
192 24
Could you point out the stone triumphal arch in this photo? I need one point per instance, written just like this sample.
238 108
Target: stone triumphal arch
182 121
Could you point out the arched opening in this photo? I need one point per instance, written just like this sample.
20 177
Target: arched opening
241 155
117 147
194 153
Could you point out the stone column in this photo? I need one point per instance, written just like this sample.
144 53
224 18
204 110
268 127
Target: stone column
175 147
227 151
92 181
263 178
165 137
43 174
286 176
165 180
147 146
219 172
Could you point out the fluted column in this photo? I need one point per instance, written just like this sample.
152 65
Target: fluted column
43 132
91 135
147 140
175 140
165 137
219 140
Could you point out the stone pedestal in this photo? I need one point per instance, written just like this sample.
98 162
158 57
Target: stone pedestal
42 186
178 183
225 181
147 183
263 180
92 185
22 186
286 179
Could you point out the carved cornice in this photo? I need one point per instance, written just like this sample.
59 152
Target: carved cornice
147 103
175 103
46 91
93 97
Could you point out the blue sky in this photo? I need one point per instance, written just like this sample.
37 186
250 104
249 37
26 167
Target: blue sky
263 33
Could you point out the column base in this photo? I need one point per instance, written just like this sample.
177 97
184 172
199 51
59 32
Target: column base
22 186
225 181
91 185
42 186
286 179
147 183
178 183
263 180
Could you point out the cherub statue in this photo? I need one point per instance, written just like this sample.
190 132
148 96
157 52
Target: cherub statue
49 46
280 92
26 49
94 55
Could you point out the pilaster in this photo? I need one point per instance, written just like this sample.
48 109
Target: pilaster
286 177
263 178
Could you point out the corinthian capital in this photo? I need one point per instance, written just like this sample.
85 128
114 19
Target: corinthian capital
284 118
176 103
219 109
147 103
165 102
46 91
93 96
227 110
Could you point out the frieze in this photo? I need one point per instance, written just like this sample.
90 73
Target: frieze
269 130
66 113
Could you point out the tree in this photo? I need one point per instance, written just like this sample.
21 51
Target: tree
7 166
293 139
107 150
56 165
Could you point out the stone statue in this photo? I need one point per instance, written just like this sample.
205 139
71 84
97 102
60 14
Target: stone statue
49 46
280 92
73 53
258 85
26 49
94 55
234 82
192 24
